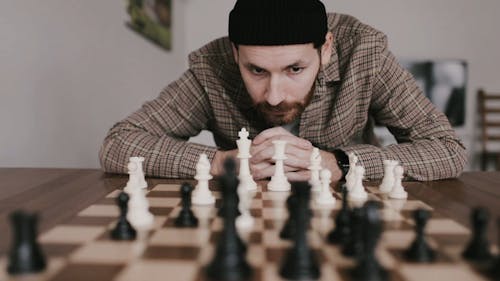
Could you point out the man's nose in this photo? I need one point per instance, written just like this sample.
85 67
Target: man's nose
274 93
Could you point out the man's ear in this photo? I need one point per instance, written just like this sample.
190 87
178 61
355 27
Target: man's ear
326 49
235 52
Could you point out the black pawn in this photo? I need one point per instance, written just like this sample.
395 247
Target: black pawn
419 250
368 268
342 231
229 262
186 216
25 255
300 263
230 180
354 245
478 248
123 229
290 226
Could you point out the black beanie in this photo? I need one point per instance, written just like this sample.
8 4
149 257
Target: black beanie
278 22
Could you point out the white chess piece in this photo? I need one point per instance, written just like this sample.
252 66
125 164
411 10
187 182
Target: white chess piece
279 182
201 195
246 179
138 210
398 191
245 221
315 168
140 172
133 182
388 179
358 190
350 177
325 197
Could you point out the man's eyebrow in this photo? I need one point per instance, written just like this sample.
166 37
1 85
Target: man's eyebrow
251 65
294 64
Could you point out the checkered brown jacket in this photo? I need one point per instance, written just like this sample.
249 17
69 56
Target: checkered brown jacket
363 81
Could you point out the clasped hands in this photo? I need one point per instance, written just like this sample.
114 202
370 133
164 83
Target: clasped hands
298 152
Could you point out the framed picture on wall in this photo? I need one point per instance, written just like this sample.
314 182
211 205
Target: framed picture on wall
152 20
444 82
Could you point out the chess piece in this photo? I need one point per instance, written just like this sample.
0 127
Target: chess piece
229 261
138 211
325 197
315 168
398 191
342 231
478 248
25 255
388 179
290 226
368 268
123 229
494 270
136 174
245 221
186 217
202 195
350 177
354 245
419 250
299 263
246 179
357 191
279 182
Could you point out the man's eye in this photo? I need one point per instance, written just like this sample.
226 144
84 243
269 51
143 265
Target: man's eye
257 71
296 69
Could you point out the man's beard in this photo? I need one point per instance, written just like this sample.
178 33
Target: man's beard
284 112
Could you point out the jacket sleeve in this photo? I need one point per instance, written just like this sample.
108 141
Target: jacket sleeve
159 132
428 147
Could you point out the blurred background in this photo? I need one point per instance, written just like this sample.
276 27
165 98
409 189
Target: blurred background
70 69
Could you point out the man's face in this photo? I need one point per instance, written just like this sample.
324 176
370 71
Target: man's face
279 79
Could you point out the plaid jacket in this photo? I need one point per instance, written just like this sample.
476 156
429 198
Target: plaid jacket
362 81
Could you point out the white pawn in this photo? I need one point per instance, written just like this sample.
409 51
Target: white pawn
325 197
279 182
246 179
315 167
398 191
138 211
201 194
245 221
350 177
358 192
388 179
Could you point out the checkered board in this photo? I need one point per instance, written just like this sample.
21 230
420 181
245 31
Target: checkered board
81 249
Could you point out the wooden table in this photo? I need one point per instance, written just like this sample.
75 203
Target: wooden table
58 194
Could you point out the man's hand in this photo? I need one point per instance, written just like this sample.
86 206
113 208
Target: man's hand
298 152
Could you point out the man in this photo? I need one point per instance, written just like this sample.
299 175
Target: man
289 71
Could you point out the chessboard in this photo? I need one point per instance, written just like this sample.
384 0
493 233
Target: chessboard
81 248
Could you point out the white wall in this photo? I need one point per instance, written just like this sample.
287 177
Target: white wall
70 69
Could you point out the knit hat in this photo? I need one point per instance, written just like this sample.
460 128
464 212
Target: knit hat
278 22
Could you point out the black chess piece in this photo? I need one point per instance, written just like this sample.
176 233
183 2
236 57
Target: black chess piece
478 248
290 226
300 263
419 250
123 229
229 180
186 217
354 245
368 268
229 262
342 231
25 255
